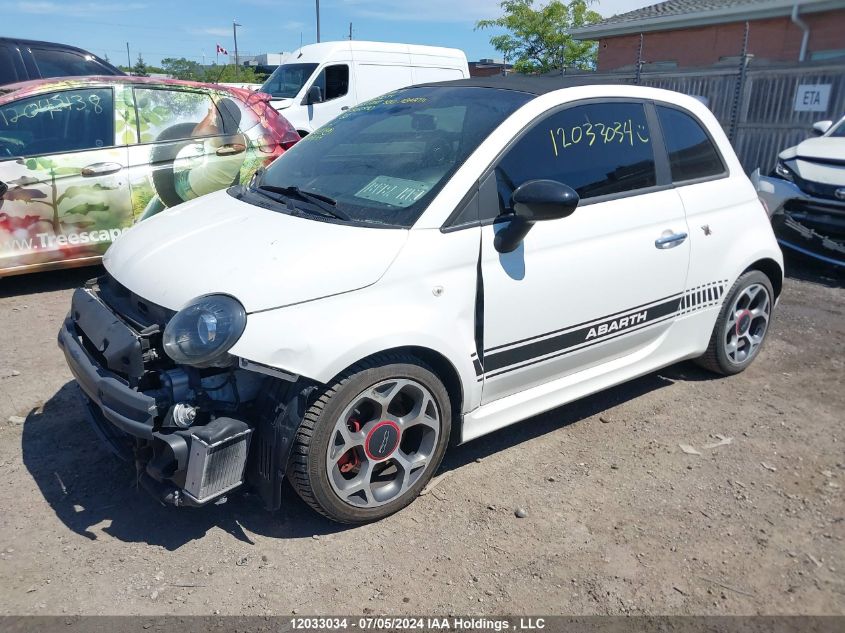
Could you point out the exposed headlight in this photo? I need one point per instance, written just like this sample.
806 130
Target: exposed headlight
202 332
783 171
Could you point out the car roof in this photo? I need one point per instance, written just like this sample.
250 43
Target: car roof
18 40
535 85
10 92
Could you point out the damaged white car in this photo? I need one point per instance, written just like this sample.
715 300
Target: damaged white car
806 194
435 264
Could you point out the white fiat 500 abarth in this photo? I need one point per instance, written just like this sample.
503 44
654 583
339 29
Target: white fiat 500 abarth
438 263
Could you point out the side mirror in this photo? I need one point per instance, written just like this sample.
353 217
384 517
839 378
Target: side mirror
820 127
535 201
314 95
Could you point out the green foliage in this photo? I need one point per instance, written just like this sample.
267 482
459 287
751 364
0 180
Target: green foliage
126 122
538 39
232 74
181 68
140 68
87 207
77 190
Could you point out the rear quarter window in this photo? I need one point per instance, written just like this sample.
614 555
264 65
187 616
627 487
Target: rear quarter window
692 153
8 72
59 63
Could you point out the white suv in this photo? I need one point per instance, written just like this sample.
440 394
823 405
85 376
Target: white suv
440 262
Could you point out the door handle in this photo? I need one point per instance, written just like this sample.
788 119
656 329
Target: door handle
229 150
101 169
669 240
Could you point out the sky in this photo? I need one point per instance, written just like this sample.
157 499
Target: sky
192 29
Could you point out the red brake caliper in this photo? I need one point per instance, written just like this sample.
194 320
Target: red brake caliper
350 460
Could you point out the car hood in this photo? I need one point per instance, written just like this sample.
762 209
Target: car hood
821 148
265 259
820 160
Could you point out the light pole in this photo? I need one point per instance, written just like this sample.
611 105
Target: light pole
235 26
318 20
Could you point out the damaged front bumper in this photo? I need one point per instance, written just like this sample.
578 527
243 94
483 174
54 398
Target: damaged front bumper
813 225
135 396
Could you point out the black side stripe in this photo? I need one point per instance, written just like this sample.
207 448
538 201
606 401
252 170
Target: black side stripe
579 335
570 327
579 348
477 364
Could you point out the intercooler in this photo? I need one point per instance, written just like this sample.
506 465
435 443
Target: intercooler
216 466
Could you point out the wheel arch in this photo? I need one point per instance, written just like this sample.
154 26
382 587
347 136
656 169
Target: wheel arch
772 270
443 369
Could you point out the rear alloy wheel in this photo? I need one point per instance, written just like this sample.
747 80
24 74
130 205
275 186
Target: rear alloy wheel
367 447
742 325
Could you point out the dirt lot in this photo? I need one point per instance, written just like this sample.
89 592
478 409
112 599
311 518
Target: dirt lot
619 519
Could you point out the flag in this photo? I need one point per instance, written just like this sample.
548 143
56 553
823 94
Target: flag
220 49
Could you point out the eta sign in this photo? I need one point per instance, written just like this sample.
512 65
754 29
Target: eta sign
812 97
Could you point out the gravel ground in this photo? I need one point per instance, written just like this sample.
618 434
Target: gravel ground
619 520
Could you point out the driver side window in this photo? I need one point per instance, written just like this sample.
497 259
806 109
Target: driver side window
333 81
598 149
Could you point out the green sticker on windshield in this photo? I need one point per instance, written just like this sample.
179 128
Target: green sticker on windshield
397 192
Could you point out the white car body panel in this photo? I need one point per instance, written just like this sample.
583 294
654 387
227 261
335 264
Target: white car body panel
430 306
822 148
375 68
353 292
222 245
540 273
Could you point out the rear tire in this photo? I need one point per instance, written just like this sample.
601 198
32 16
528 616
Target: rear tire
372 440
742 325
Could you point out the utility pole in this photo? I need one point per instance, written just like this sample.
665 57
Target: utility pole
318 21
235 26
128 59
736 109
350 31
639 62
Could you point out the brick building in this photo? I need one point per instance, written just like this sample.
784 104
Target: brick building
691 33
488 68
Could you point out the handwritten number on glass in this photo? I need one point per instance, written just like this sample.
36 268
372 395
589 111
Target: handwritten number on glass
620 132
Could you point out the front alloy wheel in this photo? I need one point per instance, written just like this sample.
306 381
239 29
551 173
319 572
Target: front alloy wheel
371 442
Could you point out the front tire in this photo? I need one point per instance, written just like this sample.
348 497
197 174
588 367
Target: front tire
742 325
372 440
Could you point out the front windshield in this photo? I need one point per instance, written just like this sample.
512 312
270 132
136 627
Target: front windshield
287 80
384 160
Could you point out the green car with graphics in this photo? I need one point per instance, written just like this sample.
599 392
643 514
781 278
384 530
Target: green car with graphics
83 159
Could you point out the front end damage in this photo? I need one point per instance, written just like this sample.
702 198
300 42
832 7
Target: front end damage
194 434
807 217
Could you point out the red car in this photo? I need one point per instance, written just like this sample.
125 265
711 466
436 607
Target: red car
83 159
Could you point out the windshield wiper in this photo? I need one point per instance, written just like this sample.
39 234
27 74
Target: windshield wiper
324 203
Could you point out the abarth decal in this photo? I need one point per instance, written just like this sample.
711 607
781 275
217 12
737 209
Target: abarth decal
519 354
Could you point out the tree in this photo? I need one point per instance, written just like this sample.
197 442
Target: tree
538 39
140 68
182 68
229 74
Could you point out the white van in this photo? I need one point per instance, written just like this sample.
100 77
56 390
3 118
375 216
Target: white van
320 81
